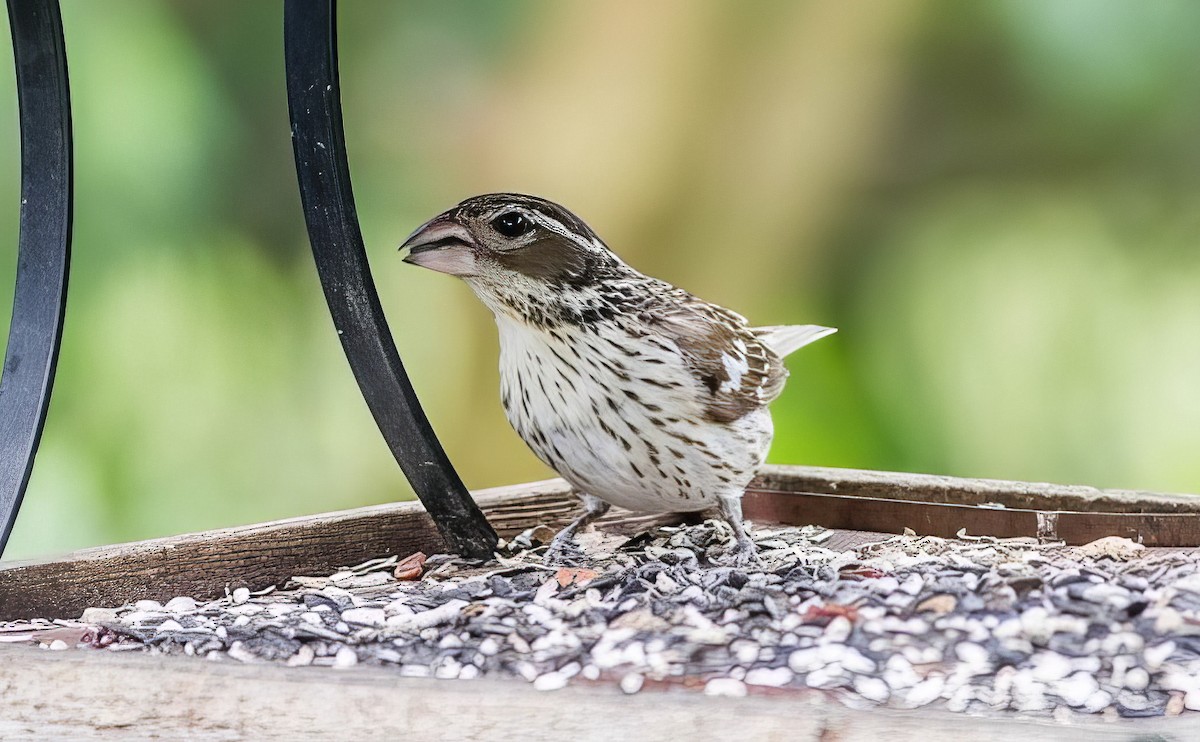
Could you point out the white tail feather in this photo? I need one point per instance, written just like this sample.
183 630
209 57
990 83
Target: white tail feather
786 339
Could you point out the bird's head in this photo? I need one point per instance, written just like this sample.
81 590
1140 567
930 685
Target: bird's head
501 242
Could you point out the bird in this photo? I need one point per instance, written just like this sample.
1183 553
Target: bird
636 392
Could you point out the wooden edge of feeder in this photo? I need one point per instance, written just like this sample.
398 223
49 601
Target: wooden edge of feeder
205 564
938 489
943 506
103 695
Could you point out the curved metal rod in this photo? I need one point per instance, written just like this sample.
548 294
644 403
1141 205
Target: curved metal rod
314 100
44 252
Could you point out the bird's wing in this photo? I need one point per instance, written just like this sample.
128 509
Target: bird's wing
736 371
787 339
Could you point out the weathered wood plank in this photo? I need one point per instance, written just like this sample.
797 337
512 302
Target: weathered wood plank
964 491
852 512
941 506
98 695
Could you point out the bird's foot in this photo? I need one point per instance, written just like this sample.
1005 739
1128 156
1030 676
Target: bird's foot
745 553
563 551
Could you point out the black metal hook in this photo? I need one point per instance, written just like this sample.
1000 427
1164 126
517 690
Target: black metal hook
44 250
314 100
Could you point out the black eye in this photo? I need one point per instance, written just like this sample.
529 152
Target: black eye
511 224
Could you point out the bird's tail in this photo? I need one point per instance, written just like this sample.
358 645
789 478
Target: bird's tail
786 339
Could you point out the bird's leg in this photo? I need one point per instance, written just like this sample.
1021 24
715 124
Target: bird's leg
564 541
731 510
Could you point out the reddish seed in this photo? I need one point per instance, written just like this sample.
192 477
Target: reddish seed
823 614
866 573
575 575
411 567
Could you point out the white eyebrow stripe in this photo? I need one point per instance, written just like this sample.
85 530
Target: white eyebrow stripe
552 225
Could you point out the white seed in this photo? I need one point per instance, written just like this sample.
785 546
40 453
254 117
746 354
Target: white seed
838 629
1076 689
872 689
744 650
1097 702
857 663
632 682
1050 666
772 677
1168 622
550 681
972 654
365 616
925 692
180 604
1137 679
239 652
1156 655
303 656
98 615
804 660
345 657
448 669
725 687
829 676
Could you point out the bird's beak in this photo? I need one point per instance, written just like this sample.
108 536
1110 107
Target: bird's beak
443 245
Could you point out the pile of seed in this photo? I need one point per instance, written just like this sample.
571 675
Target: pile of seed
970 624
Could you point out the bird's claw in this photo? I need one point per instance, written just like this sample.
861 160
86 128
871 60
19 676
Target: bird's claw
563 552
745 554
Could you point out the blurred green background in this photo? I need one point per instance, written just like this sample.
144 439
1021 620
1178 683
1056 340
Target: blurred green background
998 204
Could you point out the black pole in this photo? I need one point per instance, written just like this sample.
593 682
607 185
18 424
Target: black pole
44 247
314 100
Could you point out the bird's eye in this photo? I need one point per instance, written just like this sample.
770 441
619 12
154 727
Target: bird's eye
512 224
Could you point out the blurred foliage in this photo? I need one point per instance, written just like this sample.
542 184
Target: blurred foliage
998 204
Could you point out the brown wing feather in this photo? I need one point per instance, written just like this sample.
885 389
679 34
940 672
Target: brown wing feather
713 339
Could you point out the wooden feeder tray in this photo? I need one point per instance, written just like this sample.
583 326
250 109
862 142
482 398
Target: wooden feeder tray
92 688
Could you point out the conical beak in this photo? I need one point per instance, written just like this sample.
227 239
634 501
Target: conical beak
443 245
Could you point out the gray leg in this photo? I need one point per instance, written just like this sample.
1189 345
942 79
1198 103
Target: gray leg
731 510
564 542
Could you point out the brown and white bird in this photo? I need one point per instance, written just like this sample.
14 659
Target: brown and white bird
636 392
